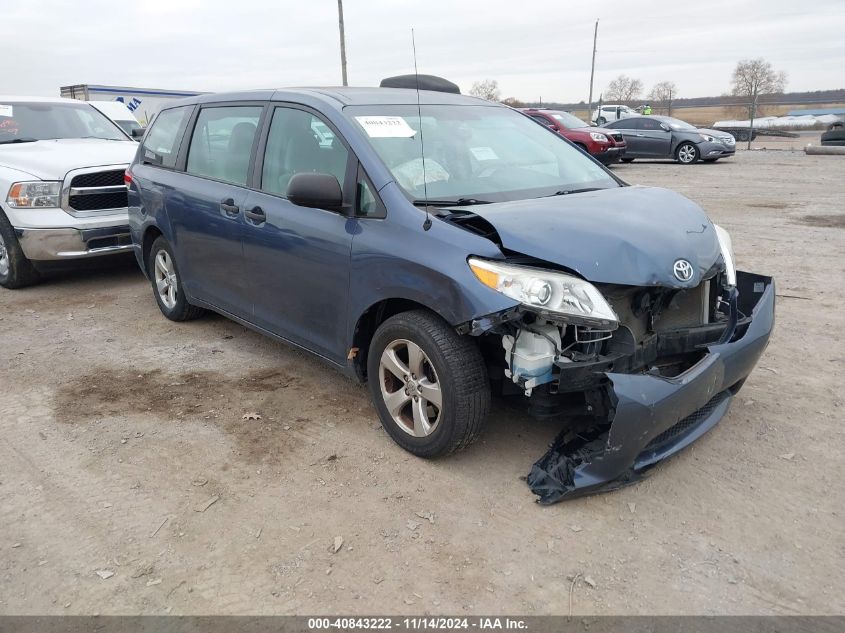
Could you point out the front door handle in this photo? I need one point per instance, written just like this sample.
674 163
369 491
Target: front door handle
256 215
229 207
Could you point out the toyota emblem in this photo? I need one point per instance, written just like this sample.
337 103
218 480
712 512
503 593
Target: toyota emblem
683 270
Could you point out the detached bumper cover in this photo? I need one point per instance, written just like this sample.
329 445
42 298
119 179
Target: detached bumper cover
655 417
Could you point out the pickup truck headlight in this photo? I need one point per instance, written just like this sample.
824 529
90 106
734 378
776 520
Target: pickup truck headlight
598 136
36 194
727 248
547 291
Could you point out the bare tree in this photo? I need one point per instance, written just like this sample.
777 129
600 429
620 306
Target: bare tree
623 88
752 78
662 95
513 102
487 89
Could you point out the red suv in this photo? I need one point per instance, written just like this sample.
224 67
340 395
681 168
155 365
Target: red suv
606 146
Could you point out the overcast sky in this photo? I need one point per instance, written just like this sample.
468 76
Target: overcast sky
540 50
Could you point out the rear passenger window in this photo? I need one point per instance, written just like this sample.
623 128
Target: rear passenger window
300 142
161 144
221 145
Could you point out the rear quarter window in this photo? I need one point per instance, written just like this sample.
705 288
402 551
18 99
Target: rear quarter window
161 144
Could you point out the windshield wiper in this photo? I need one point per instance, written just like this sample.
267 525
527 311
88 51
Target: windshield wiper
23 139
460 202
566 192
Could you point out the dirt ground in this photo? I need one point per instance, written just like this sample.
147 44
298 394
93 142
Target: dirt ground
130 482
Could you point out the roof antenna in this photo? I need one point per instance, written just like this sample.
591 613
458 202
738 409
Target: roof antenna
427 223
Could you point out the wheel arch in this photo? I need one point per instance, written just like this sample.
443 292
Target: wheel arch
151 234
369 320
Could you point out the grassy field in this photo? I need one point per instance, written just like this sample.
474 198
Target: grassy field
706 115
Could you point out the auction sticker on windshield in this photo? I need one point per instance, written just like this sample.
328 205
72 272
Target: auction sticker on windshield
6 110
385 126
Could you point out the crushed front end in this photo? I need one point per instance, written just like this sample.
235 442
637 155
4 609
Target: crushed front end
636 394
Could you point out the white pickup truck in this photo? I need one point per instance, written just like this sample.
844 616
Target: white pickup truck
62 192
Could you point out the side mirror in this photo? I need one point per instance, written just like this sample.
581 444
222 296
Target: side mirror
664 127
138 132
318 191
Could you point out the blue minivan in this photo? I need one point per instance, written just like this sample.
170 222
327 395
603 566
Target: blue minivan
447 249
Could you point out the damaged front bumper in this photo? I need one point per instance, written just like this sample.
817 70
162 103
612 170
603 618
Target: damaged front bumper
652 416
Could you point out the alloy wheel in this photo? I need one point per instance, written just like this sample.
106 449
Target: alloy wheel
165 279
410 388
686 154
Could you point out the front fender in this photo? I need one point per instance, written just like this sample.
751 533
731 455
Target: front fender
395 258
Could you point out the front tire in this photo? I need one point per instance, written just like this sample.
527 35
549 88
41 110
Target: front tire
428 383
687 153
16 271
167 285
626 160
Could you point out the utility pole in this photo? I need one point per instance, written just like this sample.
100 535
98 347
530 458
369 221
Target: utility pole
592 73
753 114
342 41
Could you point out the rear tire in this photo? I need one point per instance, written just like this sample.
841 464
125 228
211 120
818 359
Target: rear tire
445 369
167 285
16 271
600 121
687 153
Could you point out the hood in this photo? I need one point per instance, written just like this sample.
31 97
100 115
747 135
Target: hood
628 235
716 133
51 160
600 130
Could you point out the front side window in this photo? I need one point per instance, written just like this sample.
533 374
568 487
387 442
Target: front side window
39 121
161 144
299 142
481 152
222 143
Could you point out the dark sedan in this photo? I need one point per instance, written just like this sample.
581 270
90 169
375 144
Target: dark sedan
666 137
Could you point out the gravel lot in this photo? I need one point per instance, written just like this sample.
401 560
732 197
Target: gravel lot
129 482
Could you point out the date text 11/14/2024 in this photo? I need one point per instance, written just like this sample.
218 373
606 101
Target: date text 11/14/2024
417 624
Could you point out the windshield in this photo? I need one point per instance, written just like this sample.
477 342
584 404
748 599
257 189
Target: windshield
483 153
42 121
675 124
568 120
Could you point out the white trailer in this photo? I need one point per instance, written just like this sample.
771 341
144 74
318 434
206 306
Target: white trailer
144 103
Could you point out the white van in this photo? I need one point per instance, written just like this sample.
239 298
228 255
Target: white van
612 112
120 114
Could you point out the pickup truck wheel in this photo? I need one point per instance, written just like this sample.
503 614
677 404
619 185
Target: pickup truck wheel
600 121
428 383
687 153
167 287
16 271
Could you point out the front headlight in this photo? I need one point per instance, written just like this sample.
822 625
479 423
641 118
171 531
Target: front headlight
547 291
36 194
598 136
707 137
727 247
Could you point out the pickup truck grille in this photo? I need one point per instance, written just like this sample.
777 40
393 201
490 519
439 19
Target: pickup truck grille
99 179
97 191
